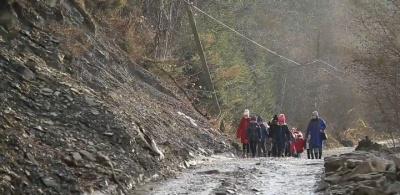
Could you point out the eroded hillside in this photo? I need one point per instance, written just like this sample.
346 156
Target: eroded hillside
78 118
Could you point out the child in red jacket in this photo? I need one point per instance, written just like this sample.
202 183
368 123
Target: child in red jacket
241 132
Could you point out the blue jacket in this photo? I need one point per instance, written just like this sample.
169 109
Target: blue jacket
264 132
314 129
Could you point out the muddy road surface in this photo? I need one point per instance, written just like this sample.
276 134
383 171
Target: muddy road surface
225 174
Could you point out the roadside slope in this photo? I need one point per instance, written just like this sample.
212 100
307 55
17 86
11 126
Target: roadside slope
65 116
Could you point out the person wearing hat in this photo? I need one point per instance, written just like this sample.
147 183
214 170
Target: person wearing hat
264 134
272 123
241 132
315 135
253 134
281 135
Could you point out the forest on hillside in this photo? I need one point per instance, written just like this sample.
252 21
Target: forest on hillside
346 56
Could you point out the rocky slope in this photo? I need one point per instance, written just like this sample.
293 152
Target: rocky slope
369 170
87 121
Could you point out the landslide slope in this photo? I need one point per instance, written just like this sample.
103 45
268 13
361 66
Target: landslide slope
88 121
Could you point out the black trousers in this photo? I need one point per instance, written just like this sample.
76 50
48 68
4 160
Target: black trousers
274 150
287 150
261 148
253 148
310 154
314 153
246 148
280 149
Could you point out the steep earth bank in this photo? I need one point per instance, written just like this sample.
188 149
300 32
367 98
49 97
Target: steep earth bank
87 121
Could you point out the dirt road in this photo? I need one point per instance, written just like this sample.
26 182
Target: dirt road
225 174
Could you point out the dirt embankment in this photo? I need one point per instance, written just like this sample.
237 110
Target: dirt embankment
81 122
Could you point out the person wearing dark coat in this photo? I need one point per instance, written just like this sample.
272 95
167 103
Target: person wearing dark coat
316 128
264 135
253 134
272 124
281 135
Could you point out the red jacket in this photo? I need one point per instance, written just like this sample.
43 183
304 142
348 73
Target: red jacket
241 130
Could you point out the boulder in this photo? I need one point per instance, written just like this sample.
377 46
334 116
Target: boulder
365 177
76 156
333 179
396 161
353 163
50 182
379 183
51 3
333 163
366 190
103 159
323 186
364 168
87 155
379 164
394 188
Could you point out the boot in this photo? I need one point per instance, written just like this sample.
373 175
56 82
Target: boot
244 154
316 156
320 155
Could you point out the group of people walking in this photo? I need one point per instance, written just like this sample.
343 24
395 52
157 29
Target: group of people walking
274 139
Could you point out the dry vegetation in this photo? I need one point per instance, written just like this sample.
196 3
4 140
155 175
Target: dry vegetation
129 24
75 41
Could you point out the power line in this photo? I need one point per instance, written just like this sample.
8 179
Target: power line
274 52
341 79
330 65
258 44
240 34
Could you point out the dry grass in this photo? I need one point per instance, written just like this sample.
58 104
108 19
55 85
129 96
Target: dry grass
123 24
75 39
130 32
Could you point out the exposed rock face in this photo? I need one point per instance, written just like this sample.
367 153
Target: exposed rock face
67 118
370 172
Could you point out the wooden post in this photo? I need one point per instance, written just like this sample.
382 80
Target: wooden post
318 43
316 68
199 47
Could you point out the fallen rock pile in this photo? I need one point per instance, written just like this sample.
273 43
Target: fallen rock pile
368 145
362 172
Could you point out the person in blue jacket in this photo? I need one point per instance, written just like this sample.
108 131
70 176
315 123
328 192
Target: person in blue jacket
315 134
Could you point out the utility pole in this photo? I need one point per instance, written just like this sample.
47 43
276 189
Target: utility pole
206 70
316 68
318 43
